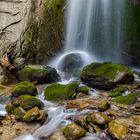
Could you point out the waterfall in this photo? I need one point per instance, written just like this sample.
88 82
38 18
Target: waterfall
95 26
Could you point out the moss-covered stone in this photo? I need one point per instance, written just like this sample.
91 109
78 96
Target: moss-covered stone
118 130
57 91
98 118
118 91
19 112
106 75
74 131
27 102
84 89
10 108
31 114
24 87
39 73
126 100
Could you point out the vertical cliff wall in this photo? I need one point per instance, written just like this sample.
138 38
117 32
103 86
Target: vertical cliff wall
32 27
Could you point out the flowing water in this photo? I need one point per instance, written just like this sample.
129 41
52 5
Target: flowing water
91 26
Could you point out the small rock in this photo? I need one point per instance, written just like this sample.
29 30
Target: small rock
19 113
58 136
27 102
98 118
74 131
24 87
118 130
31 115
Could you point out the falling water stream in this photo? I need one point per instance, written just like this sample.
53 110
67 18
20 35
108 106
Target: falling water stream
94 30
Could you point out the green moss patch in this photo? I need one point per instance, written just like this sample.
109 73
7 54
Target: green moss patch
126 100
57 91
24 87
27 102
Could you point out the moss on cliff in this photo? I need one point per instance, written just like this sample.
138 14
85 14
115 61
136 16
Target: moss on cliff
44 32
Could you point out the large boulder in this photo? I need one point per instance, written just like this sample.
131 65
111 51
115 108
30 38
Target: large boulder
71 63
57 91
27 102
74 131
39 73
106 75
24 87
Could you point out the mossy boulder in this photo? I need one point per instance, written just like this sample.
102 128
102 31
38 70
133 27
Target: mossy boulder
19 112
24 87
39 73
126 100
31 115
106 75
83 89
98 118
118 130
58 92
10 108
27 102
118 91
74 131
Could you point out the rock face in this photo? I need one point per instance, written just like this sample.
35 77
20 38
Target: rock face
31 27
59 92
39 73
106 75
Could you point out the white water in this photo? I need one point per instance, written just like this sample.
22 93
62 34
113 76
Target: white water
91 26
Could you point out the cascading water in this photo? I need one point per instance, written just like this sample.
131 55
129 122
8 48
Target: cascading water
91 26
95 26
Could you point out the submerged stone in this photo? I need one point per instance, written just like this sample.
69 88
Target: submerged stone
27 102
71 62
74 131
58 92
126 100
106 75
39 73
118 130
24 87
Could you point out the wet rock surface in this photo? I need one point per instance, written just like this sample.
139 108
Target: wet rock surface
76 112
106 75
39 74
